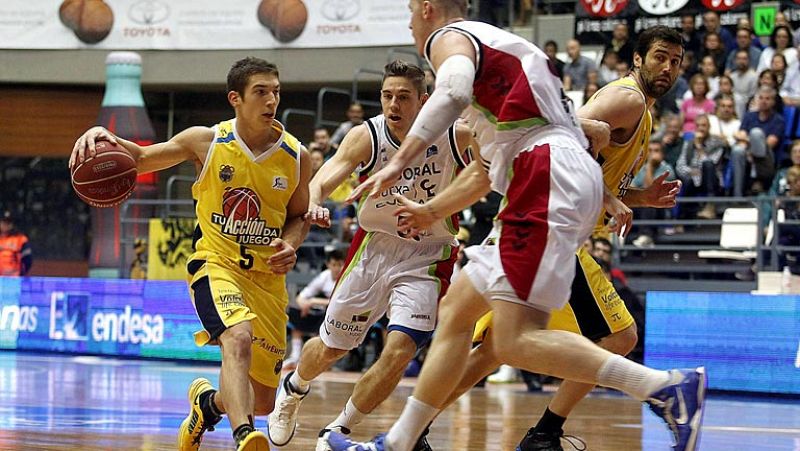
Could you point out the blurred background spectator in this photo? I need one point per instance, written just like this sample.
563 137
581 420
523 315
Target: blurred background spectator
16 256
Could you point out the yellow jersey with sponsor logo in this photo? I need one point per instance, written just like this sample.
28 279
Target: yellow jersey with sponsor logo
241 198
621 162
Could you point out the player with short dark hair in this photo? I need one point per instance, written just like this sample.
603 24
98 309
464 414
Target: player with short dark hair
251 193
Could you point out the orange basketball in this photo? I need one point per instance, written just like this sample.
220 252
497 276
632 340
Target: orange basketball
286 19
91 20
107 179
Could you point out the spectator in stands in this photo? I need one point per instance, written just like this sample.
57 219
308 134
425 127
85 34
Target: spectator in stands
789 234
712 24
603 250
620 43
700 166
550 49
306 318
745 79
726 89
744 42
691 37
778 67
780 184
623 69
652 169
317 160
16 256
580 70
757 142
689 65
724 124
709 71
698 104
780 42
712 46
766 79
355 116
589 91
781 20
608 67
672 138
322 142
790 89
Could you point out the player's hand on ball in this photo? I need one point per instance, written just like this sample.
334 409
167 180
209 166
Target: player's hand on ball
284 258
319 216
85 145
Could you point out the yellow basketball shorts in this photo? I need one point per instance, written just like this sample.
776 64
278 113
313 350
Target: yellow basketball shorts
225 295
594 310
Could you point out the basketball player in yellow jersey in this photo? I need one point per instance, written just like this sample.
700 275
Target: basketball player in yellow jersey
251 194
595 310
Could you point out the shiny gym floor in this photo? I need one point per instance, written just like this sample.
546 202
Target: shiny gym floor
57 402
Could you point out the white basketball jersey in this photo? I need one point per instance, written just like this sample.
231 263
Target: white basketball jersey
516 94
420 181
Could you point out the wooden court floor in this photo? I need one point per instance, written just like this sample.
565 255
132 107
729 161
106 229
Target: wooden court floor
50 402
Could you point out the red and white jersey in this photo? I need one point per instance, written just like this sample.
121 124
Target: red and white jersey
517 95
420 181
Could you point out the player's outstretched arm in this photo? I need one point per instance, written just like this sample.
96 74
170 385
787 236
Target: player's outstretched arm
471 184
355 149
296 227
190 144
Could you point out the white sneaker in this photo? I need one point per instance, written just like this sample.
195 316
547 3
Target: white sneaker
506 374
283 419
322 441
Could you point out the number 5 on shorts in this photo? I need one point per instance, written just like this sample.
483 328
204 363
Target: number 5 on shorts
247 260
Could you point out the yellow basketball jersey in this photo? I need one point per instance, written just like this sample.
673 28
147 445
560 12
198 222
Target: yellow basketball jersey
621 162
241 199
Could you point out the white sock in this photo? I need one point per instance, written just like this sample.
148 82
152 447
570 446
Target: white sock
299 384
636 380
349 417
414 419
297 348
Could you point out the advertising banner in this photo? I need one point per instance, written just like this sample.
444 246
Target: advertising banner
134 318
595 19
202 24
746 342
169 247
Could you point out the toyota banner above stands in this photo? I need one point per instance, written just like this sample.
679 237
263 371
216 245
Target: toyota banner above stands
202 24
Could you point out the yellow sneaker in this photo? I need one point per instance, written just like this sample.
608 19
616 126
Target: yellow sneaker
193 427
255 441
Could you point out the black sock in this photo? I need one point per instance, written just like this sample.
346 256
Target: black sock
550 422
242 431
210 411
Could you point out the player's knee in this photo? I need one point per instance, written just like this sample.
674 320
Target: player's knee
236 343
396 356
625 340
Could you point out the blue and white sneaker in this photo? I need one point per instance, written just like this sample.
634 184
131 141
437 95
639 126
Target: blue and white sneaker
680 405
341 442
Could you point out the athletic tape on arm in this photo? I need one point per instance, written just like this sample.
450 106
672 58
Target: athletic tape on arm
453 93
